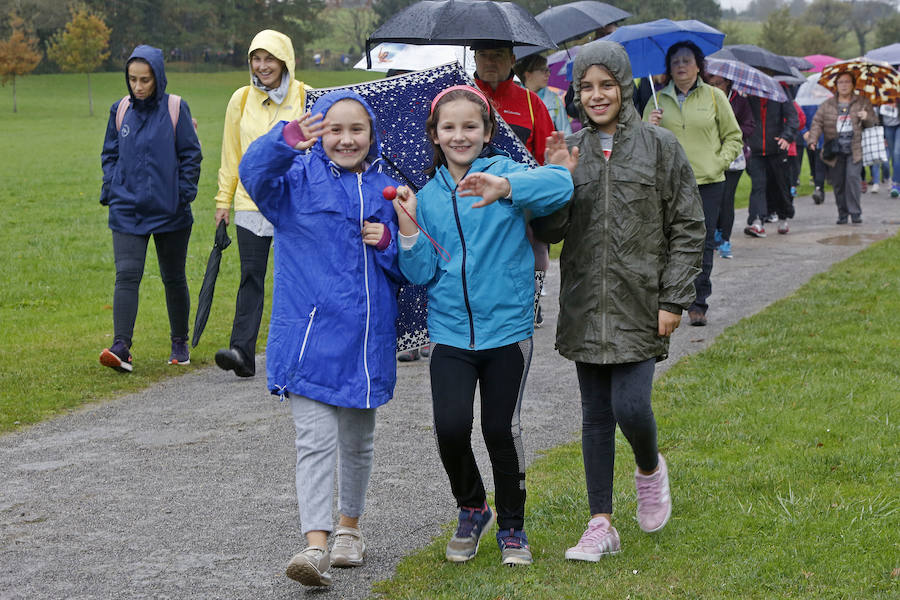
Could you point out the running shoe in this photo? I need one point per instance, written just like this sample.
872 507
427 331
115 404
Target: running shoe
514 548
473 524
117 357
654 502
598 540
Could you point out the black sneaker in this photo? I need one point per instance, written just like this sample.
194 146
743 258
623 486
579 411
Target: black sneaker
818 196
181 355
117 357
231 359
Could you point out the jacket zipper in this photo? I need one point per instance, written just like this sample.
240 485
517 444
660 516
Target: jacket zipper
465 287
603 285
312 316
368 299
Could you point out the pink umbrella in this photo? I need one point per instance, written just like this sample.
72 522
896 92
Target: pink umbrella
820 61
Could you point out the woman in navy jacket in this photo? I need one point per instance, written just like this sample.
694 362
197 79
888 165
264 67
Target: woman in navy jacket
151 165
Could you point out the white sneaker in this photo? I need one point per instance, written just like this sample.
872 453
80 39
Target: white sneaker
310 567
349 548
875 188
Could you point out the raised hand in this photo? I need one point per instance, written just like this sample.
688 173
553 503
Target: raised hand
490 187
311 127
558 153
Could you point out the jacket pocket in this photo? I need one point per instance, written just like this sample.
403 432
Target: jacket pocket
304 344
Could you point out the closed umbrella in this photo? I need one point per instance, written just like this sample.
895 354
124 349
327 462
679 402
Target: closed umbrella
461 22
567 22
755 57
204 302
746 80
877 81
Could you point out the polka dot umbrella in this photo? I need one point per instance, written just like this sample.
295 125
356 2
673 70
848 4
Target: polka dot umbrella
877 81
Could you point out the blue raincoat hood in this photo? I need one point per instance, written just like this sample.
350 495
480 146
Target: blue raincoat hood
154 58
324 104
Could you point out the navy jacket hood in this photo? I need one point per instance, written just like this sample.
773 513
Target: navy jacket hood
154 58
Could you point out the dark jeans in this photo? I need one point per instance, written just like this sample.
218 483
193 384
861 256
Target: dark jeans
711 195
769 178
130 252
500 374
254 252
726 210
612 394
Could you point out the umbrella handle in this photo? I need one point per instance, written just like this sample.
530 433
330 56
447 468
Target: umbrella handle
653 89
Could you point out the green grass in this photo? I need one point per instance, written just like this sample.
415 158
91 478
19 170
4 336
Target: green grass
57 268
784 454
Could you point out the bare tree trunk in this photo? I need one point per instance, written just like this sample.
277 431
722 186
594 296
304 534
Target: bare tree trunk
90 97
15 106
861 38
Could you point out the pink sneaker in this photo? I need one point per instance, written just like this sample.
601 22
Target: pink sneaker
654 502
598 540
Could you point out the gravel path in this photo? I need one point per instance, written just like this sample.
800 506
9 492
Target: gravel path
186 490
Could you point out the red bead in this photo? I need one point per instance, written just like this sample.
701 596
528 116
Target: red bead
389 193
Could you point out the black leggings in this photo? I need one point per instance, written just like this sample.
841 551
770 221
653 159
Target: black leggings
500 374
130 253
613 394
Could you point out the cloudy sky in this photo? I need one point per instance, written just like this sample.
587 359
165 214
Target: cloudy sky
738 5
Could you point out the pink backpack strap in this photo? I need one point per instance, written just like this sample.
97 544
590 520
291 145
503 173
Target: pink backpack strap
124 103
174 109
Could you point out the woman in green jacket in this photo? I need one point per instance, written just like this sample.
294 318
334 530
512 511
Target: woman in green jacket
701 118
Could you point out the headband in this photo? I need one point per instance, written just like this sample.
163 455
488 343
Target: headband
467 88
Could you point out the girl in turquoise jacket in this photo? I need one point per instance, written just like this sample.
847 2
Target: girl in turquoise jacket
479 270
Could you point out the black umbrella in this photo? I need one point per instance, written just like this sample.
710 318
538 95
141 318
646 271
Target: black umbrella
571 21
799 63
209 282
461 22
755 57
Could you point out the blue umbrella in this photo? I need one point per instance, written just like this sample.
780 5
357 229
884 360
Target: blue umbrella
647 43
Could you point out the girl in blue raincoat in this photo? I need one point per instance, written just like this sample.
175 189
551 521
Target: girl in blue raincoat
332 337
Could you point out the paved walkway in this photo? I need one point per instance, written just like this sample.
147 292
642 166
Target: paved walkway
186 490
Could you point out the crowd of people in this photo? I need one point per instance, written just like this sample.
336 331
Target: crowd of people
642 194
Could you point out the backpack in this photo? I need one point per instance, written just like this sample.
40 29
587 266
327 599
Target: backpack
174 111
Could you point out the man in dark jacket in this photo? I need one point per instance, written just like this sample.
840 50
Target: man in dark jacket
768 168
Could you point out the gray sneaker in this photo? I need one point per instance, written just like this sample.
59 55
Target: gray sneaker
514 548
310 567
473 524
349 548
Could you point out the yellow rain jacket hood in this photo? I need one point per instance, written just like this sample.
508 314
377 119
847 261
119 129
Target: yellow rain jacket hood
251 113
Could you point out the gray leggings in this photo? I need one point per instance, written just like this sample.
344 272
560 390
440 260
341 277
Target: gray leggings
327 435
612 394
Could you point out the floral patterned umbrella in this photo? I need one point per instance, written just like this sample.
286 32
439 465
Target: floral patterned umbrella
877 81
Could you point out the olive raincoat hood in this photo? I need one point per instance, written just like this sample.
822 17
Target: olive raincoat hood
634 231
612 56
